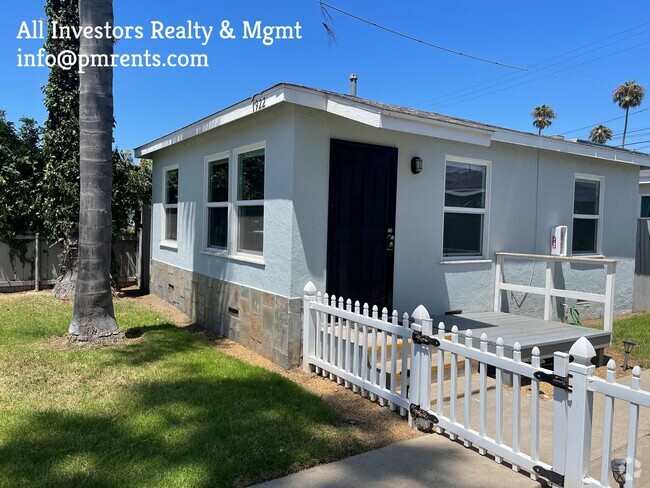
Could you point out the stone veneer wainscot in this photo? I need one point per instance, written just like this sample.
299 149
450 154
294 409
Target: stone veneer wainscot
266 323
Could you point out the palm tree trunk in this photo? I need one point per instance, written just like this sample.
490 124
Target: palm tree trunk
627 110
93 317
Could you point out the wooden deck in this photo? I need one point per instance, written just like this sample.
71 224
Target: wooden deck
529 332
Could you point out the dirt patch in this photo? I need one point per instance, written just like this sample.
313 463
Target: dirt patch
62 343
152 302
373 426
13 295
618 357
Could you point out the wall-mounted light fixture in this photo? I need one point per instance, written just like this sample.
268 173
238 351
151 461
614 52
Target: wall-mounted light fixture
416 165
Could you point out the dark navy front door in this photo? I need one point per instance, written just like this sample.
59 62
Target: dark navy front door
361 227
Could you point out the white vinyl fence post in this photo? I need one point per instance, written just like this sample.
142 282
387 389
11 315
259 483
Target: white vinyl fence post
308 324
580 416
425 363
498 279
414 371
547 289
560 402
609 296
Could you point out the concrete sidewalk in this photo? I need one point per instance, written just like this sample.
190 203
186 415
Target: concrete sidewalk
432 460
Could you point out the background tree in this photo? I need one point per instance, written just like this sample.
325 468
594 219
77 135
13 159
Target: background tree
543 115
21 169
60 185
131 191
93 316
628 95
601 134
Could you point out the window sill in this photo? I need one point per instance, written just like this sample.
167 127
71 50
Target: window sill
215 252
172 246
588 255
244 258
466 261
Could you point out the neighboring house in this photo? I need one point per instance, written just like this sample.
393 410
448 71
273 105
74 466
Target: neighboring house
644 191
299 184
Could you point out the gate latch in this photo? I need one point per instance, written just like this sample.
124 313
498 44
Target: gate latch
419 413
553 379
419 338
552 476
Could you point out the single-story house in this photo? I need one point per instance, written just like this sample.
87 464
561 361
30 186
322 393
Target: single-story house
372 202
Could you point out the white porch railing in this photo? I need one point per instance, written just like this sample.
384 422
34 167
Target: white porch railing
549 289
398 364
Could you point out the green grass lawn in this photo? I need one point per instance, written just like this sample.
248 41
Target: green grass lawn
637 328
165 410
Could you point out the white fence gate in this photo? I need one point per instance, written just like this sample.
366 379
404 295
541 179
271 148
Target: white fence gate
395 362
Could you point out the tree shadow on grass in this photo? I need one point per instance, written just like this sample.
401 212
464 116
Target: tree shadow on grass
159 341
213 430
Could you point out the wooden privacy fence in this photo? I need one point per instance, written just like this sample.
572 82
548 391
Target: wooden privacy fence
42 262
549 291
438 378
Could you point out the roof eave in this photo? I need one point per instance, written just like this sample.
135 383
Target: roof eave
242 109
390 119
570 147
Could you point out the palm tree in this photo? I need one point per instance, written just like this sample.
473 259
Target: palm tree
600 134
93 317
628 95
543 115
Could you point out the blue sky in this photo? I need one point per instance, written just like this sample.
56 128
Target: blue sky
594 45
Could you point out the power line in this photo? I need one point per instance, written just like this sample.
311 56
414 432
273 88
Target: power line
542 76
426 43
633 133
635 130
528 70
494 81
633 143
449 50
601 123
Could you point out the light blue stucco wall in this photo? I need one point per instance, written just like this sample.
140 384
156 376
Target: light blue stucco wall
523 209
526 200
275 126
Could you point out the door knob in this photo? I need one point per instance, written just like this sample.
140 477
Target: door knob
390 240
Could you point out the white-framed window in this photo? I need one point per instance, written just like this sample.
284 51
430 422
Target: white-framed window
170 205
645 206
587 214
466 204
248 199
217 195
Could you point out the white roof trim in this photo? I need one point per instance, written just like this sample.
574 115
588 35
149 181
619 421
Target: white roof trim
343 107
230 114
436 128
382 118
569 147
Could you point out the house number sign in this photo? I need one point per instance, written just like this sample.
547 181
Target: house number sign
259 104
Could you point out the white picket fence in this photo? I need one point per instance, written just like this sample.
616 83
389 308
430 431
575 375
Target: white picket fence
375 354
